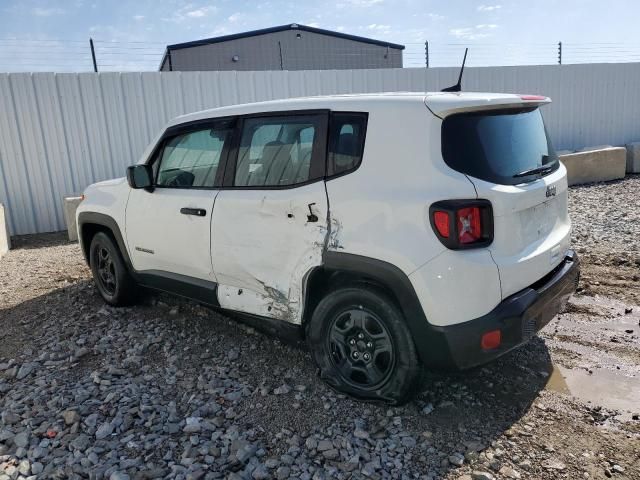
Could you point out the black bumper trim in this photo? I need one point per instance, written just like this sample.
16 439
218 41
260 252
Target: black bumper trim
518 317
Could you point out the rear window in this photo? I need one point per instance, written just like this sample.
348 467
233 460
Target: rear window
499 146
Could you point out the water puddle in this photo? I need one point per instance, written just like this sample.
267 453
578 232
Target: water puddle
605 388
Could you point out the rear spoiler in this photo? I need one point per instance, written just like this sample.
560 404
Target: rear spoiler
444 104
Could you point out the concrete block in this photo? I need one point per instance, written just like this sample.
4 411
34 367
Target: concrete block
70 207
591 149
5 239
595 165
633 157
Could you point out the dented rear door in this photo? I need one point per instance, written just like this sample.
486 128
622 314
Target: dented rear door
269 225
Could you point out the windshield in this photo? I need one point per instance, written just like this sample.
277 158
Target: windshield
499 146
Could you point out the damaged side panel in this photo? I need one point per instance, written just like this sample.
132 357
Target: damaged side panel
264 243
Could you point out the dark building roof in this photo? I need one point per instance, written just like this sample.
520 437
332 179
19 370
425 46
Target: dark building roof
282 28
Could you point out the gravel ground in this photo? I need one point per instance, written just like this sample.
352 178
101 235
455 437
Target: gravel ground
169 389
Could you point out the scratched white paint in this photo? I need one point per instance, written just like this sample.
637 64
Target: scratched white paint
62 132
263 245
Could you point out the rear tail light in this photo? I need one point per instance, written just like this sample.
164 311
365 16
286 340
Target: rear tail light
461 224
441 221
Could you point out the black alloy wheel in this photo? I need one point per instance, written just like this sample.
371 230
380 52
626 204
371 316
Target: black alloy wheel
361 348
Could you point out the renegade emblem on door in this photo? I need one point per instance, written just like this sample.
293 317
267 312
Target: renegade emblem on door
551 191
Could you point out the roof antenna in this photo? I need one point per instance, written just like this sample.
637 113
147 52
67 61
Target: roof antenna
458 86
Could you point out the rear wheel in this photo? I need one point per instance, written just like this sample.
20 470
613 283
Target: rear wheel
362 346
113 280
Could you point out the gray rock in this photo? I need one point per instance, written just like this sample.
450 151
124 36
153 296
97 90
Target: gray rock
80 352
70 417
25 370
409 442
24 467
119 476
456 459
38 452
283 473
21 439
37 468
369 469
9 418
104 430
509 472
324 445
260 473
193 425
331 454
246 452
282 390
480 475
81 442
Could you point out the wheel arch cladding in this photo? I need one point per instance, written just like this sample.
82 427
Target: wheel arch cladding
431 346
90 223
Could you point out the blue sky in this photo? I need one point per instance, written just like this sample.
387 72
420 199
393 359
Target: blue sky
52 35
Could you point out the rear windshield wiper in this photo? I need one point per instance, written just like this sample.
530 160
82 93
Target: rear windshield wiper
532 171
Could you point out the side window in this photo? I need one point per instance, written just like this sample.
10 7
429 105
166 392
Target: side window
346 141
277 151
192 159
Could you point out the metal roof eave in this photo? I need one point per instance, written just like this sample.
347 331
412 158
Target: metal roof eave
282 28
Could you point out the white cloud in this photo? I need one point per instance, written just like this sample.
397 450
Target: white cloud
197 13
484 26
489 8
358 3
138 17
467 33
435 16
382 29
188 12
235 17
47 12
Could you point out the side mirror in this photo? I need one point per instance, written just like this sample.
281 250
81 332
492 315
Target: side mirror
140 176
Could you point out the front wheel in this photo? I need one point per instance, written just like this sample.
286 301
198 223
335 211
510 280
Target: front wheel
362 346
113 280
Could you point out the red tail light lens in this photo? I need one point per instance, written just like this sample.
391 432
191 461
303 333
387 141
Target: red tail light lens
469 225
441 221
461 224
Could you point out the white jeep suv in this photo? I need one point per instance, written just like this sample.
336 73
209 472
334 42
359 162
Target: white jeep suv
395 232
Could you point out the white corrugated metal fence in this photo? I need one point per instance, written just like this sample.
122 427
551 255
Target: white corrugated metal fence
61 132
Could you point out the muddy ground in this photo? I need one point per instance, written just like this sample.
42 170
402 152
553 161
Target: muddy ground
168 389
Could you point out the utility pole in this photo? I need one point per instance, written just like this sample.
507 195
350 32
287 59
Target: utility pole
559 53
93 55
426 53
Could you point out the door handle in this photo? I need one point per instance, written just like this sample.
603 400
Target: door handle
198 212
312 217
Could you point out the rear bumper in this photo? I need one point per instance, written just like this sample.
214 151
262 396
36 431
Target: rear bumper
518 318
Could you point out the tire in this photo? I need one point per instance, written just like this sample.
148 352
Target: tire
351 323
112 278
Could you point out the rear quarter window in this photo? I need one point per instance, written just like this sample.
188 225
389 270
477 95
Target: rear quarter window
347 133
